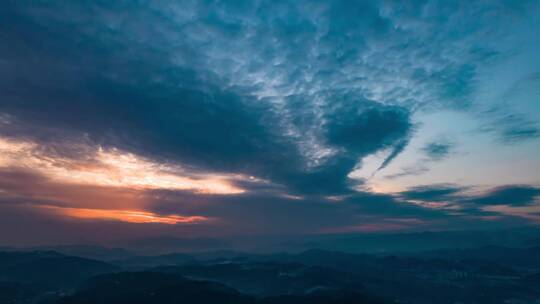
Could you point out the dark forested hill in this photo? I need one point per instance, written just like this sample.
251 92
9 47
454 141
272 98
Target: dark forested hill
165 288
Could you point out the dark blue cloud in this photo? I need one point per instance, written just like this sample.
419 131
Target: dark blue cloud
435 151
396 150
460 204
433 193
384 205
510 127
438 150
513 195
269 211
71 80
364 129
416 169
457 83
517 133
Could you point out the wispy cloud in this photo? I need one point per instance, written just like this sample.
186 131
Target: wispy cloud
510 128
433 193
513 195
438 150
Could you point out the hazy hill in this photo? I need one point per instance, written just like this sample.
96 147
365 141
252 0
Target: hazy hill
270 278
49 269
164 288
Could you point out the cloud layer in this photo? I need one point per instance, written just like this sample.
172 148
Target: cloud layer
251 114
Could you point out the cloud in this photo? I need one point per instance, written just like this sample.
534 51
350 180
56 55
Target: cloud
518 133
433 193
510 127
251 113
220 96
437 150
398 148
260 213
391 206
513 195
112 168
416 169
151 102
504 203
129 216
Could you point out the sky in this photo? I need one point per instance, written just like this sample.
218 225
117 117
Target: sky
131 119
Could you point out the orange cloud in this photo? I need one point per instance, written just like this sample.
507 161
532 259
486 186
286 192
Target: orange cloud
25 186
114 168
129 216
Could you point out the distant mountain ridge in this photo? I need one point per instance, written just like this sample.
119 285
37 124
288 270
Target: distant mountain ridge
49 269
485 274
373 243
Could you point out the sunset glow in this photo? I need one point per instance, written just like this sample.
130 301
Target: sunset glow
129 216
112 168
